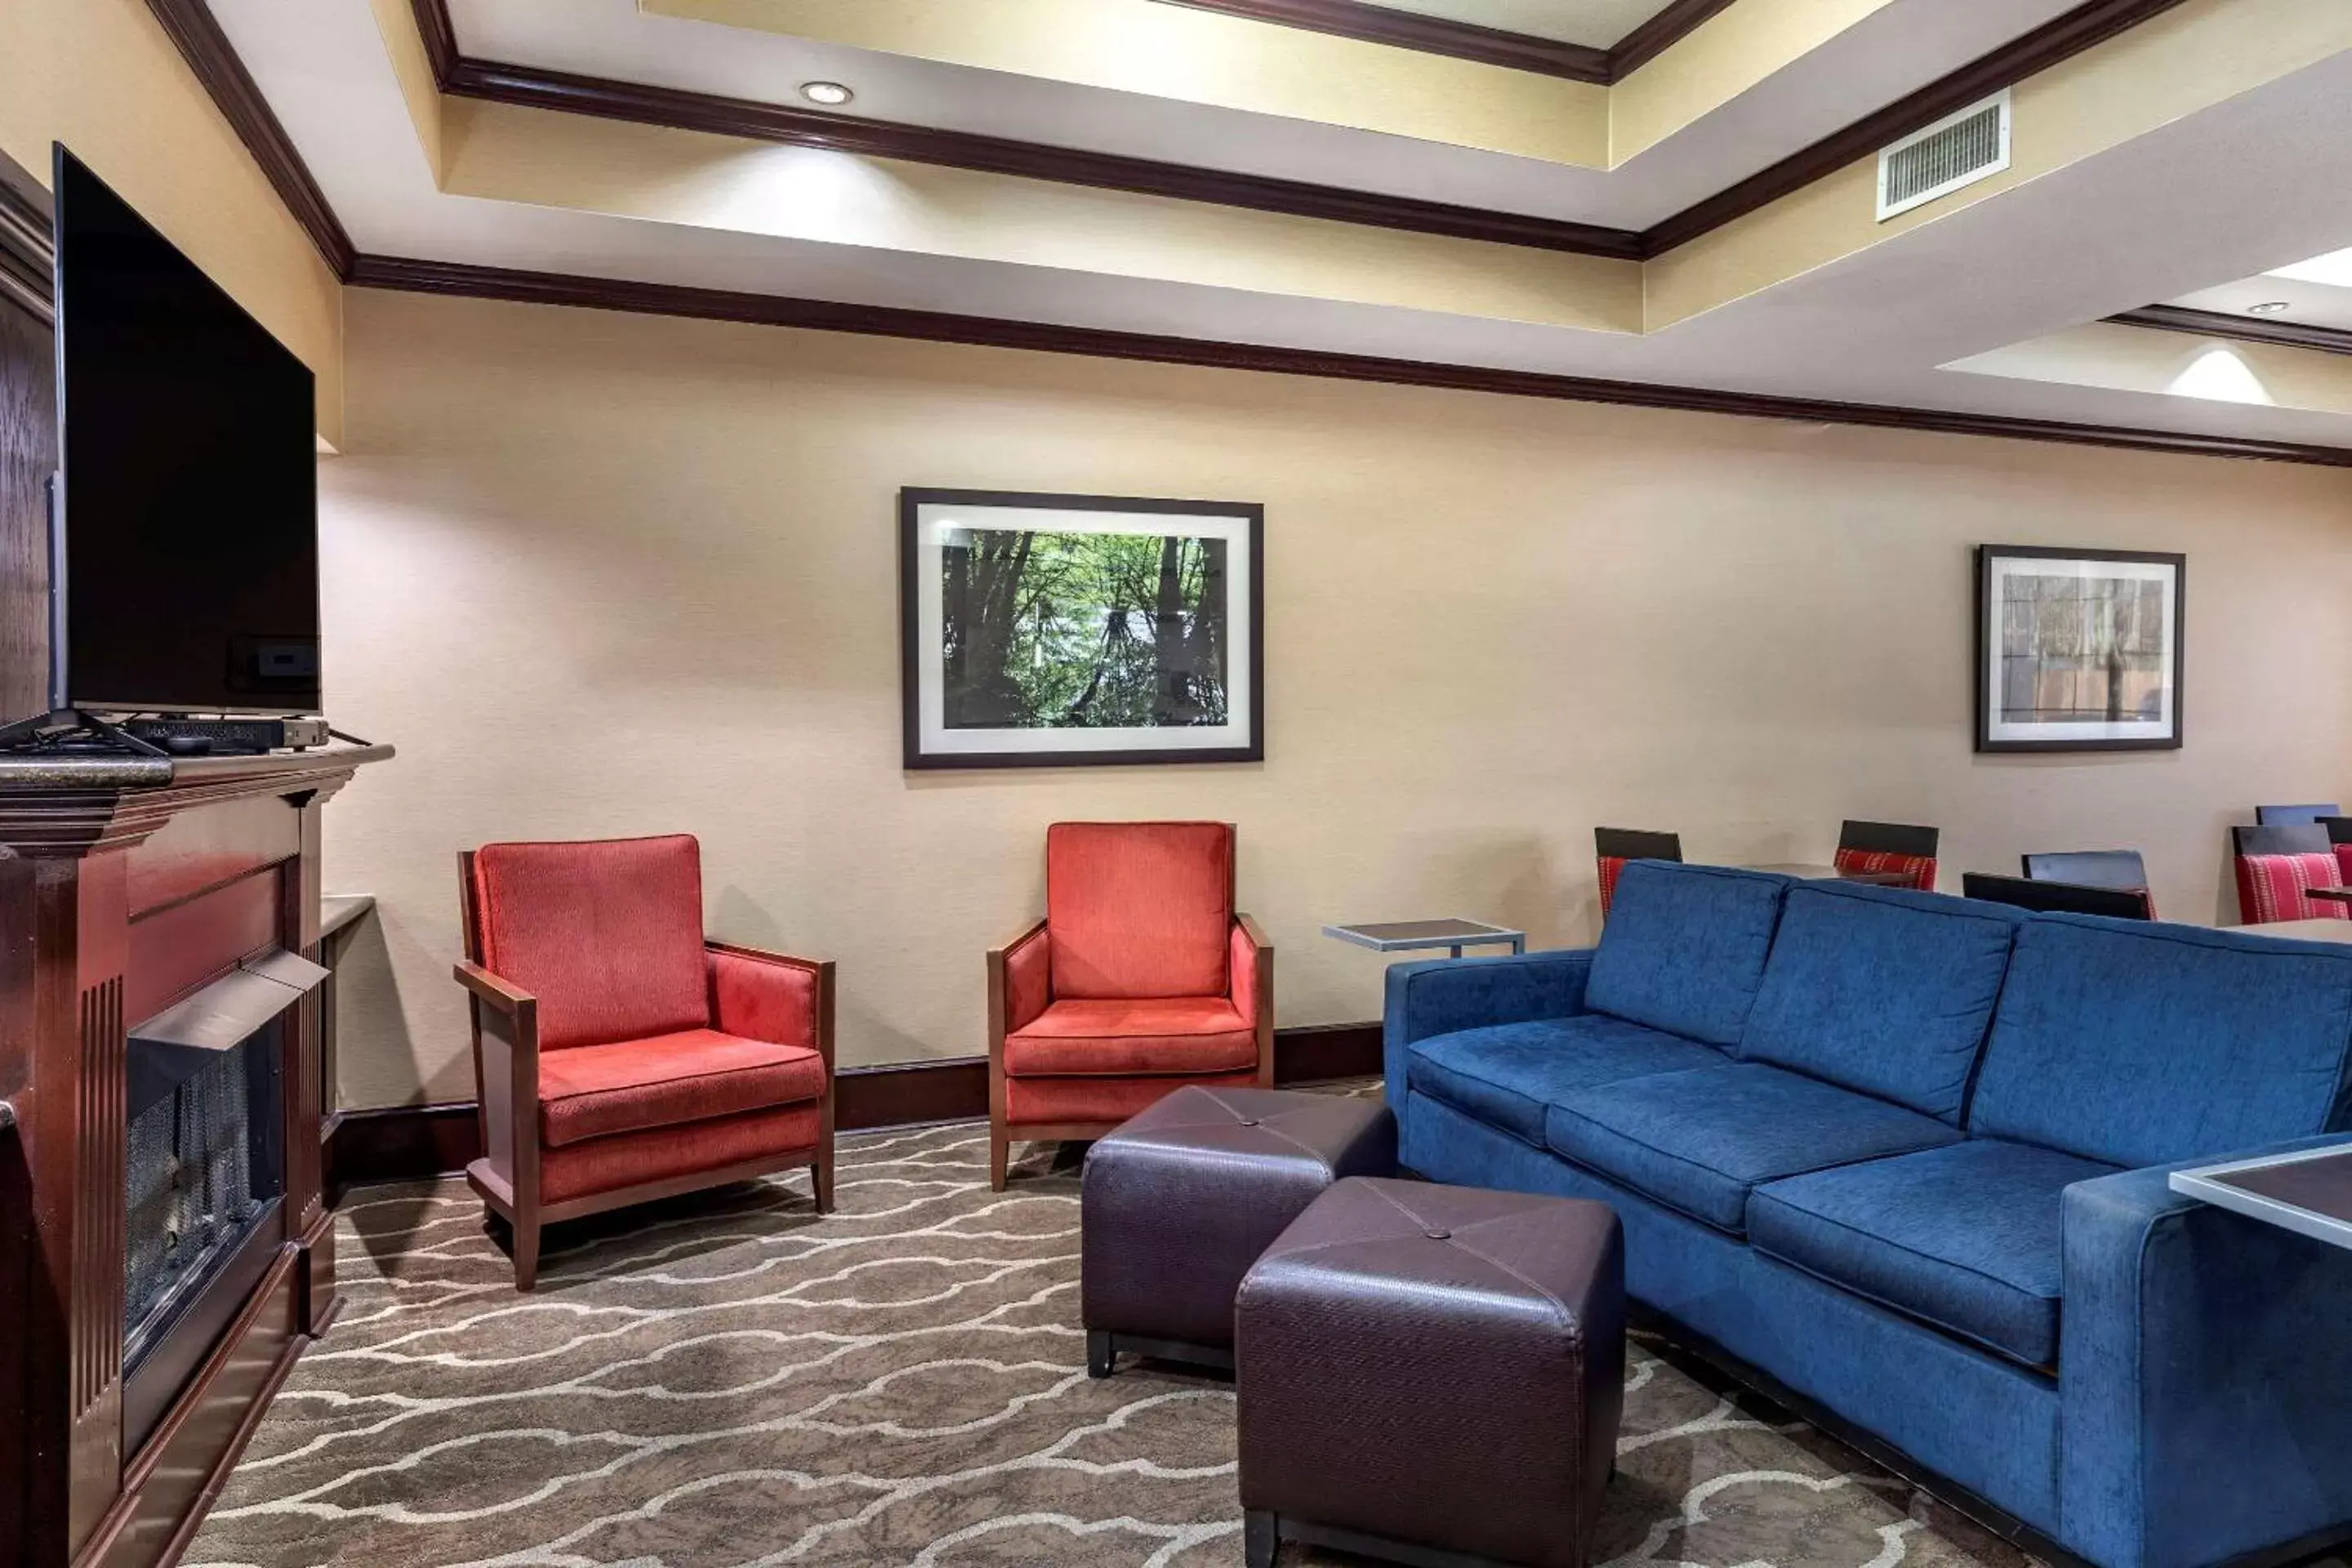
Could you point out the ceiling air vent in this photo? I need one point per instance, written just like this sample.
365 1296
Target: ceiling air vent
1957 150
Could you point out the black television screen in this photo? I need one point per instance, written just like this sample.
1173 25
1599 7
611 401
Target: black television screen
187 432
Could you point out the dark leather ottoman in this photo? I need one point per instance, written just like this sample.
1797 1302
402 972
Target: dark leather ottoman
1433 1375
1181 1199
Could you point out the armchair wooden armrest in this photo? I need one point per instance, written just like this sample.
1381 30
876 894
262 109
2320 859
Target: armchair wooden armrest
506 1090
1250 960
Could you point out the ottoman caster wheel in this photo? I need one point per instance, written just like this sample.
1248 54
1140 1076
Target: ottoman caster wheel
1101 1358
1260 1539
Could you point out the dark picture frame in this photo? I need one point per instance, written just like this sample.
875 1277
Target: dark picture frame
2008 625
1223 690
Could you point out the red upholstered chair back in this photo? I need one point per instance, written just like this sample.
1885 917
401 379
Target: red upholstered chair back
2276 887
1917 870
1613 847
607 934
1138 909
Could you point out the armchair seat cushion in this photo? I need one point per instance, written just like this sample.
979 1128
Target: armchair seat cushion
1131 1036
1506 1075
1964 1238
594 1091
777 1134
1700 1141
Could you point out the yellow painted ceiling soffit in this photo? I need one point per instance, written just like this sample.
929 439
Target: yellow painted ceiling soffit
1204 57
2191 58
505 153
2175 364
396 20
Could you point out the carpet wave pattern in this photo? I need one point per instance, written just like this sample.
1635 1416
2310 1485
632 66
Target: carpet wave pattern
729 1381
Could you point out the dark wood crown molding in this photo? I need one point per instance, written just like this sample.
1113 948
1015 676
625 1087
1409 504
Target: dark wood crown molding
821 315
1662 31
2092 22
1468 41
1425 35
210 55
2246 329
669 107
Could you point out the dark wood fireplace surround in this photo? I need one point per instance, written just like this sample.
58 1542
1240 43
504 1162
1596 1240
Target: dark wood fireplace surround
128 884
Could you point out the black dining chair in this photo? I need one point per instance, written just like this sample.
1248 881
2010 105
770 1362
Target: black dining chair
2054 898
2121 868
1615 846
2291 816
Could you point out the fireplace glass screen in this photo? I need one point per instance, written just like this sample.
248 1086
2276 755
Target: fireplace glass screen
204 1163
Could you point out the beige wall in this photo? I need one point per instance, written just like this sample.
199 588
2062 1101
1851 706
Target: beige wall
104 77
597 573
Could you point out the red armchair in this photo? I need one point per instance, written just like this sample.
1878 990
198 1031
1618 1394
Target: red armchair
1140 979
620 1058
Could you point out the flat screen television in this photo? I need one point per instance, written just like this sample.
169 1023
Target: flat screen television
189 547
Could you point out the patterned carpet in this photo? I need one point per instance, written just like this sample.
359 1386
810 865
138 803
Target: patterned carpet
728 1381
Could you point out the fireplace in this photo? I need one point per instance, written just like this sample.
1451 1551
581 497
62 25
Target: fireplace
205 1173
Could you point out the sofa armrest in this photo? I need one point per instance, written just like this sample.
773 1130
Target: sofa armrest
2204 1364
1249 964
770 996
1439 995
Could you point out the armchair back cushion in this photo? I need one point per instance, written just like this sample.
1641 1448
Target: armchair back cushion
606 933
1684 947
2139 1043
1138 909
1882 990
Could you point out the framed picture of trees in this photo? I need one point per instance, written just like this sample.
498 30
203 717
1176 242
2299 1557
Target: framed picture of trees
1064 631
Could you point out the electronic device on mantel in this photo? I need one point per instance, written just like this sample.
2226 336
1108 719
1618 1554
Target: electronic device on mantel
184 535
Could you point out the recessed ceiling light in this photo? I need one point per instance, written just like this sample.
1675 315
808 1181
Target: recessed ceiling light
832 94
2269 308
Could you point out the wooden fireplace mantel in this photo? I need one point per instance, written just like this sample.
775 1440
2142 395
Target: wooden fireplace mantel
127 884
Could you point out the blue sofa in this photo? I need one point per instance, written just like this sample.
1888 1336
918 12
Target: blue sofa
1906 1154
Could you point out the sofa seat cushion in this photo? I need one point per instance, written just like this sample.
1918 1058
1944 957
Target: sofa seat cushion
1506 1075
1966 1239
1144 1035
1701 1141
1684 948
593 1091
1882 990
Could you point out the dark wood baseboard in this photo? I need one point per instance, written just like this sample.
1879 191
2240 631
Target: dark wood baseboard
418 1142
1320 1053
906 1094
402 1144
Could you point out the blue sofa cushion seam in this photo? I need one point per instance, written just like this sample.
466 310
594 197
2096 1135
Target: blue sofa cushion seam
1466 1110
2008 1358
1692 1164
1893 1246
1662 1201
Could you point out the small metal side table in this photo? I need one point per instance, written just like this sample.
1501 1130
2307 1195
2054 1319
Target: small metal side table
2308 1193
1405 936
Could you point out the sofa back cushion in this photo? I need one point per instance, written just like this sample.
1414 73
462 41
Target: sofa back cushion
1138 909
606 933
2142 1044
1684 948
1882 990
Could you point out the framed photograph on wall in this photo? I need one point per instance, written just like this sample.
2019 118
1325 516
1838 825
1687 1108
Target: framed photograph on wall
1064 631
2078 650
